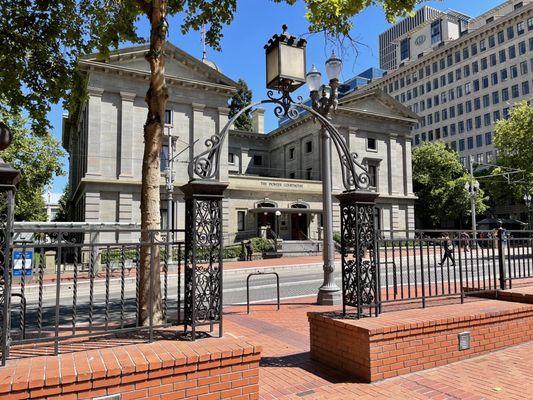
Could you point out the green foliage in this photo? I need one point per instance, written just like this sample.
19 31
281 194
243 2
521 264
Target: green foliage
241 99
64 213
234 251
439 182
514 139
261 245
38 159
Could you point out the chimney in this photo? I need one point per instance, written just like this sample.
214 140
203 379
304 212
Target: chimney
258 120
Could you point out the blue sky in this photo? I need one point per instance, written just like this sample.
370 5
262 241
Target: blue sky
242 54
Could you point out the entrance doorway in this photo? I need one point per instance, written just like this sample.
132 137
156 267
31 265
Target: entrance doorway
266 218
299 227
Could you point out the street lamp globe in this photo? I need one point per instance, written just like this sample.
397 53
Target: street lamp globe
278 213
333 67
313 79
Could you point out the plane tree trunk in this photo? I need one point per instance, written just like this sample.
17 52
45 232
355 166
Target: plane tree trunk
150 268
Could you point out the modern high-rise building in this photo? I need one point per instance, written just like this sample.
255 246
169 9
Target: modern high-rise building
387 46
460 76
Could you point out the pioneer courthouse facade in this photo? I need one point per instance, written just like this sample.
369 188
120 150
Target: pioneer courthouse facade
266 172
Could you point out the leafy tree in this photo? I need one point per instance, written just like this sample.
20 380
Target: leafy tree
64 214
241 99
439 182
40 42
38 158
513 138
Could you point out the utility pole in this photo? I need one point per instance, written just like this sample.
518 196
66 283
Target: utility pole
169 175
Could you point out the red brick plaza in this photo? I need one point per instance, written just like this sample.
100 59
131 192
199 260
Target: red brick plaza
287 371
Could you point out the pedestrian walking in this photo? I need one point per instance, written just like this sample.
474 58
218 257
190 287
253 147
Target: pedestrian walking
447 245
465 240
249 250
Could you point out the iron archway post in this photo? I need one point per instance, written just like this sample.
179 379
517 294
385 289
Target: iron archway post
204 195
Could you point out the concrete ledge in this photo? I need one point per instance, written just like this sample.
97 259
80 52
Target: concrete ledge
523 294
210 369
401 342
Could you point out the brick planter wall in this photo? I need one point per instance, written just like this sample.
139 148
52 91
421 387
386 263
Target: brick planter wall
406 341
203 370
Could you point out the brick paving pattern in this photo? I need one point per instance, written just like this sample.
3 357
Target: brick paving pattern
287 372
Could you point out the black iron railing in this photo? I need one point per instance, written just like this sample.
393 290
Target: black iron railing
418 265
71 283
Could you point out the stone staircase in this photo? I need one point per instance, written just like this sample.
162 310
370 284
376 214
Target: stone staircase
293 248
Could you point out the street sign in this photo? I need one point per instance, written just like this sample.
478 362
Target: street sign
22 262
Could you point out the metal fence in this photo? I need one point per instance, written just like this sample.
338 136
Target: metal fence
418 265
67 283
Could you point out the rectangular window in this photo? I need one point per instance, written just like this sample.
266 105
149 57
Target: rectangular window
231 158
495 97
482 45
443 97
488 138
476 85
309 174
523 67
164 156
468 106
241 221
530 24
461 144
258 160
514 71
453 130
308 147
473 49
468 88
292 175
525 88
460 109
503 74
444 113
486 101
373 175
488 156
451 94
485 82
436 32
501 37
458 74
505 112
496 115
520 28
469 125
475 67
371 144
291 153
459 91
501 55
444 131
430 136
466 70
512 52
477 103
470 142
492 59
461 127
484 63
453 145
479 140
505 94
522 48
514 91
478 122
486 119
494 78
404 49
510 33
443 80
417 139
168 117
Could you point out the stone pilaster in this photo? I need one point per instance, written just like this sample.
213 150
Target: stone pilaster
126 135
94 139
125 207
197 131
408 173
223 113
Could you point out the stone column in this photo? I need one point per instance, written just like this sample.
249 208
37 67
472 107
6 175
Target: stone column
126 135
408 173
94 136
197 131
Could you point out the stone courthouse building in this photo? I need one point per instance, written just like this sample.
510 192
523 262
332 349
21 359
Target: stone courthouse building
266 172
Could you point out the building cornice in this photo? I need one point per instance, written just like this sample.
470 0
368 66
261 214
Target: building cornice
88 65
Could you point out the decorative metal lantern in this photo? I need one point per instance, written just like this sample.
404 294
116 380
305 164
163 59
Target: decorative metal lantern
285 62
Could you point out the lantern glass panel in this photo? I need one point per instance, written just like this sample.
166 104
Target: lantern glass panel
292 63
272 67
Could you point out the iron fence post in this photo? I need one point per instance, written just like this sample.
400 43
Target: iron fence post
501 259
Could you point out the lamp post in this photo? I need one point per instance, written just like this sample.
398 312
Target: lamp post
472 188
324 99
278 214
527 200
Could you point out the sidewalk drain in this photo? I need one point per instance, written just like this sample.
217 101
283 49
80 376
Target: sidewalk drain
306 393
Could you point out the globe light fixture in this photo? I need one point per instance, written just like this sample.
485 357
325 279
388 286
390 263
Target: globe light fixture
333 67
313 79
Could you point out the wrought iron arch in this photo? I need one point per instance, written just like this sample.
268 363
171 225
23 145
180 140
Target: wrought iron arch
205 165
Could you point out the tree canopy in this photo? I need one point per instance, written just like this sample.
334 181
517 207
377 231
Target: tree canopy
513 138
39 160
439 182
241 99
